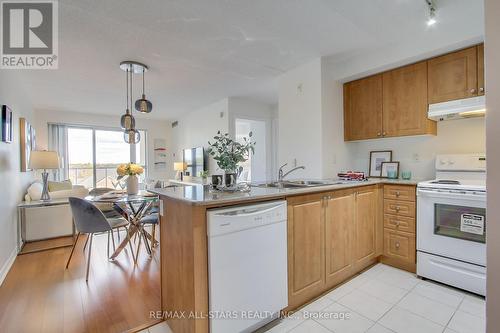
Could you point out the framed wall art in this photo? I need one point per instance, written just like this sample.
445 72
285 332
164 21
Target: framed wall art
26 145
376 160
6 131
390 170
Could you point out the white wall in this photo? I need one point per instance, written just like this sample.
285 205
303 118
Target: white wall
156 129
13 182
417 153
196 128
492 53
300 116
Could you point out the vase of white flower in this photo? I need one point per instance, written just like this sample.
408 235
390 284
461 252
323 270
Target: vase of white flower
130 170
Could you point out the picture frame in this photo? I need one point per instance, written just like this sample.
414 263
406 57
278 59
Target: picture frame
26 145
6 130
376 159
389 166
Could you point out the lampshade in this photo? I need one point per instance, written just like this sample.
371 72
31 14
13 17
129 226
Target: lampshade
44 160
179 166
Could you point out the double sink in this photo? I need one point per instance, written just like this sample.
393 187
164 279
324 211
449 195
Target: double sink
298 183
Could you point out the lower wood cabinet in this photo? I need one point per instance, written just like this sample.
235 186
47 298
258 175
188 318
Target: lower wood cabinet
306 256
399 227
331 236
339 225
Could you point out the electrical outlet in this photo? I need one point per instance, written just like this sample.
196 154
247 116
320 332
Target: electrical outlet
416 157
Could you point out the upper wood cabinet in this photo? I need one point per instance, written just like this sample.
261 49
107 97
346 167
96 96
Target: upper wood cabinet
363 108
405 102
306 268
480 69
453 76
395 103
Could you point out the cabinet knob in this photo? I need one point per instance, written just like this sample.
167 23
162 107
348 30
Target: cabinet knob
398 208
481 89
397 245
398 193
398 223
384 133
379 134
473 91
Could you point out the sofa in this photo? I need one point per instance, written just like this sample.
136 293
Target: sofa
49 221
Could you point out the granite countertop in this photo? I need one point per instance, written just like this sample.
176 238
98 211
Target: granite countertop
202 195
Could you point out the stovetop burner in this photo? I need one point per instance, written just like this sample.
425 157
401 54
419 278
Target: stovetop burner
446 182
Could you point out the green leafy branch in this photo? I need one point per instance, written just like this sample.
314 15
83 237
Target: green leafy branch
229 153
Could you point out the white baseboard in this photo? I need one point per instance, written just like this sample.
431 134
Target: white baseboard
8 264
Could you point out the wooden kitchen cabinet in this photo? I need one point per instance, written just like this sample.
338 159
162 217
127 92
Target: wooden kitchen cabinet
339 227
480 69
405 102
306 255
363 108
366 226
399 227
453 76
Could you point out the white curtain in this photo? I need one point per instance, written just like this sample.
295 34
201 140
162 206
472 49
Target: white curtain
58 141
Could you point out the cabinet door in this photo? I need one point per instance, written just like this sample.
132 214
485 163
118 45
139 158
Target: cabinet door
480 69
405 102
339 222
366 234
306 266
453 76
363 108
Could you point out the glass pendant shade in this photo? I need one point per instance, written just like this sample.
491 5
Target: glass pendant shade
132 136
127 121
143 105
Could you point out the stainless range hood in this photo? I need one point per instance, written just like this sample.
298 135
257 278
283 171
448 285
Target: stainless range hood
461 108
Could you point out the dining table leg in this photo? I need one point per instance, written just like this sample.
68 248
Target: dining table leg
130 232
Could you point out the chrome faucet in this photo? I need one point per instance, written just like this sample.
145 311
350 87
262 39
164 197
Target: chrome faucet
282 175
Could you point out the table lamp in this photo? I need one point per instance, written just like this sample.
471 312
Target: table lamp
179 167
43 160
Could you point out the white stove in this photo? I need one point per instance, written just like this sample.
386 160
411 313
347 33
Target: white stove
451 223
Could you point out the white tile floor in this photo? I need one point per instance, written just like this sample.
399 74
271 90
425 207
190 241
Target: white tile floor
384 299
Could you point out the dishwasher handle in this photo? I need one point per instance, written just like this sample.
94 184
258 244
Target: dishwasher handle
245 212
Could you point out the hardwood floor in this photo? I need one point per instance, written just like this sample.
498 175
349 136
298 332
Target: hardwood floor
40 295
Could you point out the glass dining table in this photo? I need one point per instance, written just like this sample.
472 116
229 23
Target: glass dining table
133 208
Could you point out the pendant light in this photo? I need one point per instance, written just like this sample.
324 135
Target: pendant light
127 121
131 135
143 105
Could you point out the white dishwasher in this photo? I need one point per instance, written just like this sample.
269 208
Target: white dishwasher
247 263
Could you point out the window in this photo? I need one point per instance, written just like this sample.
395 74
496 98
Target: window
94 154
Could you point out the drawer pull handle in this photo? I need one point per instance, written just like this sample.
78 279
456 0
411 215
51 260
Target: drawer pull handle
398 208
397 245
398 223
398 193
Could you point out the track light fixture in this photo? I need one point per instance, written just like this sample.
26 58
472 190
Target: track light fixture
432 12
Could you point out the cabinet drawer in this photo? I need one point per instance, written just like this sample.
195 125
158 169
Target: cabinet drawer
403 208
399 223
399 245
396 192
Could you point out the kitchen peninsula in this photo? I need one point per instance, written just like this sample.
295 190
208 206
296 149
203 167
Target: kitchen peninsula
334 232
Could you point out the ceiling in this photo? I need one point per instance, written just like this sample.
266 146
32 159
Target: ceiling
202 51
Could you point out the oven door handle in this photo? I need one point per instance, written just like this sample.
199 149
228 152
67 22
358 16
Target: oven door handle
450 195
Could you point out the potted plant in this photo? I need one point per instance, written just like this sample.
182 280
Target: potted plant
131 170
229 153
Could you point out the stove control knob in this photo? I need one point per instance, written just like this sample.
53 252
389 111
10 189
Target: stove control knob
451 162
442 162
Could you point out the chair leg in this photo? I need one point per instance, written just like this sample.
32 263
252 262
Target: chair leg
86 241
108 244
138 247
118 232
72 249
88 260
113 240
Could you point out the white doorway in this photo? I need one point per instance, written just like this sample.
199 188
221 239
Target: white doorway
257 167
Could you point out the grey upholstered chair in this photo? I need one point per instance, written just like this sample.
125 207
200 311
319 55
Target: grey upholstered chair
90 220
